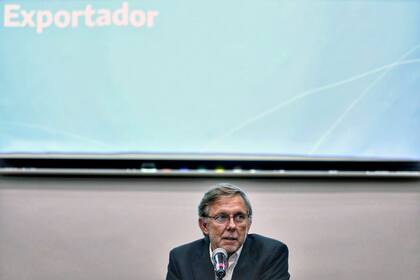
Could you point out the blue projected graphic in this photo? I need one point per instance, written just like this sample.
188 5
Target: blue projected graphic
281 78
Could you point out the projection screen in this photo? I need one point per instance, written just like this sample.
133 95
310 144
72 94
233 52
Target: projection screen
210 85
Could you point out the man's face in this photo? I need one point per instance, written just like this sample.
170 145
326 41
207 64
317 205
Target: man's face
229 235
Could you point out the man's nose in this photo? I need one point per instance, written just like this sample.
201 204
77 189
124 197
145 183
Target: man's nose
231 223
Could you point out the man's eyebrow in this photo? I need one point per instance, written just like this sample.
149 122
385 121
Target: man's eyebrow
234 213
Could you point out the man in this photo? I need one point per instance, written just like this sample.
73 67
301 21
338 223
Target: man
225 216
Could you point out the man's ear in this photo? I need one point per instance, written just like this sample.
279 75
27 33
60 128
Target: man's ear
202 222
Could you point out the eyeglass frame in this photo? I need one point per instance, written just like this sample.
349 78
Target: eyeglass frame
231 217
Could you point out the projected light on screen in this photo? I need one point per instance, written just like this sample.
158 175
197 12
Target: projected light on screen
335 79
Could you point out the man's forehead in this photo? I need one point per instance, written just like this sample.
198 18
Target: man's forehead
228 203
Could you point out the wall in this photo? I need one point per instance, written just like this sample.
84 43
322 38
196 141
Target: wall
123 228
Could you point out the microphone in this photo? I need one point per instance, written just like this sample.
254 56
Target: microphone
219 258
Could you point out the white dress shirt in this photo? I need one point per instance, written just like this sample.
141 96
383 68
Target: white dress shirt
232 261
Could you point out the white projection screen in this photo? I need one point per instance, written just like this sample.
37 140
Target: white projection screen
210 87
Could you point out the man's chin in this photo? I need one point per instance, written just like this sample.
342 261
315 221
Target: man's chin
230 248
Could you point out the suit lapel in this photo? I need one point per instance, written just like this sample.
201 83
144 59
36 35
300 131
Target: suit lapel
202 266
243 269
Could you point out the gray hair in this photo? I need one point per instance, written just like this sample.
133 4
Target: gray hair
222 189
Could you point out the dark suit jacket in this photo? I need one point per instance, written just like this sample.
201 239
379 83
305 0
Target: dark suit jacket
261 258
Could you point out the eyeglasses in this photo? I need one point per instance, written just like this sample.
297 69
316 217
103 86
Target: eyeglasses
224 218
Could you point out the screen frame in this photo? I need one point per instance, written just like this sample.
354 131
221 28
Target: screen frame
185 165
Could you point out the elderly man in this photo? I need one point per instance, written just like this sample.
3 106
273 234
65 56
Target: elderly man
225 216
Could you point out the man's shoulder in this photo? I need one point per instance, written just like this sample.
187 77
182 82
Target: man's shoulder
269 257
264 243
189 248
